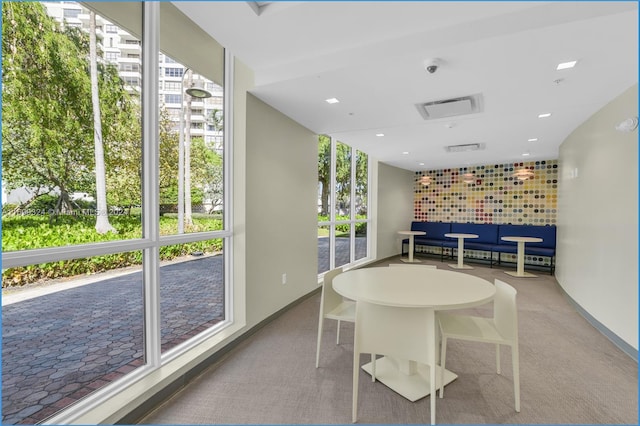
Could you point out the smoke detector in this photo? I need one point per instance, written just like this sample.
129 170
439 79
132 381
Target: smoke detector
628 125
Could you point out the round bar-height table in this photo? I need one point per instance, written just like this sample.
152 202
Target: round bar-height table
411 234
520 273
461 238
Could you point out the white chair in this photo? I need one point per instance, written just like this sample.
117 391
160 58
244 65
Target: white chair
502 329
394 332
412 265
333 306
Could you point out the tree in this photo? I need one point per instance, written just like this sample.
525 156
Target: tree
214 188
188 220
216 119
362 182
343 176
124 162
102 217
45 108
207 166
343 173
169 140
47 105
324 172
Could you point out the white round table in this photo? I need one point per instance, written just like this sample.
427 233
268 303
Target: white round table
411 234
461 238
520 273
436 289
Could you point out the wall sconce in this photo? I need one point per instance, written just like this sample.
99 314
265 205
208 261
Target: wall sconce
425 180
523 174
468 178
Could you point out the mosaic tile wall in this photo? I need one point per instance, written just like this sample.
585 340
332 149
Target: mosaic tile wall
494 196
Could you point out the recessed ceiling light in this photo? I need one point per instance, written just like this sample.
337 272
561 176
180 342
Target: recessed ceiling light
525 154
332 101
532 140
566 65
544 115
379 135
405 153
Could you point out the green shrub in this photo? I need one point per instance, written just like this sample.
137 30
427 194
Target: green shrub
343 228
30 232
8 208
44 203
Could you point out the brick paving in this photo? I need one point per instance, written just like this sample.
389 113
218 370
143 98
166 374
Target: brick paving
62 346
342 253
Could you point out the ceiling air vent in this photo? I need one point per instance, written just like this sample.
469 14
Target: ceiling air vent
450 107
464 147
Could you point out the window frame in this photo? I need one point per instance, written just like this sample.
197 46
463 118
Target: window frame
352 221
150 241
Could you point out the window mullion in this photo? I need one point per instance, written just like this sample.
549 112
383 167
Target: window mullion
228 183
352 210
332 204
150 186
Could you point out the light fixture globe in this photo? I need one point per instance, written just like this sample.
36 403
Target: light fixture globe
468 178
196 92
523 174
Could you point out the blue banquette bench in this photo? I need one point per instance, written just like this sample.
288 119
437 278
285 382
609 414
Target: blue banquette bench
545 248
489 238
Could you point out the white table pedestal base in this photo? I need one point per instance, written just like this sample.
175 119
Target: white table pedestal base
460 267
520 275
410 258
411 386
460 238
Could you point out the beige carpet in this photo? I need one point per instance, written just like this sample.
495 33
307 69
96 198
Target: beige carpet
569 373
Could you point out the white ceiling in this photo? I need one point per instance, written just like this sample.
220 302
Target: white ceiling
370 56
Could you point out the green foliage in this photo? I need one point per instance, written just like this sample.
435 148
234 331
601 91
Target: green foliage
206 173
30 232
47 122
343 176
46 110
48 125
44 203
206 169
343 228
324 171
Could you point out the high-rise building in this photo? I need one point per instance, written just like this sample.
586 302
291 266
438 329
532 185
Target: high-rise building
122 49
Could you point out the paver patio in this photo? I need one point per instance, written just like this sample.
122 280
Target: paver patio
59 347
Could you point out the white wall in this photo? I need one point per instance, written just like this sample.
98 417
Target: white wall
281 216
597 249
394 208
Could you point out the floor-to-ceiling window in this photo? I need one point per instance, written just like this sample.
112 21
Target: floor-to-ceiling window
114 199
191 182
343 221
